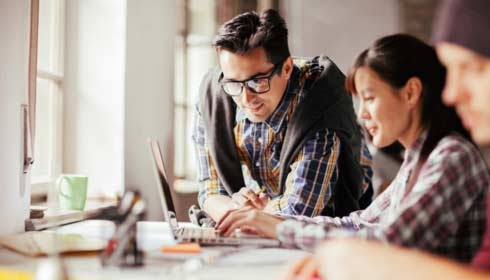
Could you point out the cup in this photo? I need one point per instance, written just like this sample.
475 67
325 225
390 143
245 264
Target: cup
72 191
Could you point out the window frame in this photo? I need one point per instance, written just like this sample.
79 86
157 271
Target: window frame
40 184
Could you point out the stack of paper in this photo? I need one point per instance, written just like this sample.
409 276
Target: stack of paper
47 242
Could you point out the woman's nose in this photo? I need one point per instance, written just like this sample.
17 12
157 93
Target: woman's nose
362 114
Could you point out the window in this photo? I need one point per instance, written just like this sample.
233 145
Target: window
47 149
194 57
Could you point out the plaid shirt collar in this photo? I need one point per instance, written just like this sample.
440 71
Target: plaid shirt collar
275 120
412 153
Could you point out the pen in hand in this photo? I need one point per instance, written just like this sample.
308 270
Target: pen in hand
246 196
257 193
241 199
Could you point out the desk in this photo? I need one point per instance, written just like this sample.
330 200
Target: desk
151 236
56 216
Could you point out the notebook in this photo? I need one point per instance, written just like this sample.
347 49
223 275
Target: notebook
203 236
42 243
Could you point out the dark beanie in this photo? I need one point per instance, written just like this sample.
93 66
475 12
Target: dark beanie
465 23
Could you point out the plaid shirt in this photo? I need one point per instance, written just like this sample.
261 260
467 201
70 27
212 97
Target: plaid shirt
443 213
313 172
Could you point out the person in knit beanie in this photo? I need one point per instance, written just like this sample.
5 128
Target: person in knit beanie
462 40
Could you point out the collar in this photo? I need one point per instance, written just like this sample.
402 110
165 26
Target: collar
413 153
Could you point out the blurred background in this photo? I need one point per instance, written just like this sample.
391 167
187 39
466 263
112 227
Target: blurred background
113 72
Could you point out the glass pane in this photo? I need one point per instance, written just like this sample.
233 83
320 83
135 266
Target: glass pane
45 128
200 60
49 35
202 17
180 76
190 66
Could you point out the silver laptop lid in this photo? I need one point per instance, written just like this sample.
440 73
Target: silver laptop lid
163 187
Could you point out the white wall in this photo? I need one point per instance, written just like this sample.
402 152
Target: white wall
151 27
14 53
119 91
93 115
338 29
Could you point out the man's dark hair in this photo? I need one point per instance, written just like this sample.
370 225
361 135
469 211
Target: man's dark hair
248 31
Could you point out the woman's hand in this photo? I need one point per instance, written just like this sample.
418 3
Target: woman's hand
250 220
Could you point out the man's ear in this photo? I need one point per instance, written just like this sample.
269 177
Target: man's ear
287 68
413 91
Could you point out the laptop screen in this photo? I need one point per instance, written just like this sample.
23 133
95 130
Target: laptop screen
161 178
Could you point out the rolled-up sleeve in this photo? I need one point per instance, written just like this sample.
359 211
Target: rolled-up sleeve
207 177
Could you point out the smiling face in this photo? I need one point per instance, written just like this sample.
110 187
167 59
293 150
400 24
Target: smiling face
387 113
468 88
254 64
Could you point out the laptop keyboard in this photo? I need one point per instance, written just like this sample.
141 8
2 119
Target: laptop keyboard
209 236
197 233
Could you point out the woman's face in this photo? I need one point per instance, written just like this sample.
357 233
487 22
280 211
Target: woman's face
384 111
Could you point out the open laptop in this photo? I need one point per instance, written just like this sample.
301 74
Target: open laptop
203 236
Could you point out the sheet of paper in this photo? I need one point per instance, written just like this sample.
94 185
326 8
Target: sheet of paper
47 242
261 256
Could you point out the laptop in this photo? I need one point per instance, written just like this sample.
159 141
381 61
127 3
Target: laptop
203 236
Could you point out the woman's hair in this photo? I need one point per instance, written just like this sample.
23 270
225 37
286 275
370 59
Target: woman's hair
396 59
250 30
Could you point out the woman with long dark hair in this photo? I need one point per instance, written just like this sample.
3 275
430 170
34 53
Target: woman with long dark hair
436 202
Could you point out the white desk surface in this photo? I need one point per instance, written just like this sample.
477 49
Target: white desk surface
252 264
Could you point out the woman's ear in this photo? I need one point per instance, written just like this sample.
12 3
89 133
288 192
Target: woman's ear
413 91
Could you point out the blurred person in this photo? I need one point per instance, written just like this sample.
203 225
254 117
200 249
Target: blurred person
266 122
436 202
463 46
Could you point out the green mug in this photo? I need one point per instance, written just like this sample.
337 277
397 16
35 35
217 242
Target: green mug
72 191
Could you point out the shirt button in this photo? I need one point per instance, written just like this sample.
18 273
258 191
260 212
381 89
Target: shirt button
260 140
257 164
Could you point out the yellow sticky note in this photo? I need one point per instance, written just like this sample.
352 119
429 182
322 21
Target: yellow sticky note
190 248
10 274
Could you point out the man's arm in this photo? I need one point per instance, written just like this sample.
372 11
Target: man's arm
216 205
335 260
373 260
314 172
212 197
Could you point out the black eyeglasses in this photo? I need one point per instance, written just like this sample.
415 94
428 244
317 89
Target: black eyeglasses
256 85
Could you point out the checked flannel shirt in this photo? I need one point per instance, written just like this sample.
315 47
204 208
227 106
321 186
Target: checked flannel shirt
443 213
314 171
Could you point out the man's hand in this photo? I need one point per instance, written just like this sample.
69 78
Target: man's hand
218 206
247 197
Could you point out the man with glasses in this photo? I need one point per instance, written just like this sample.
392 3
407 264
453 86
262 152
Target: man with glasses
273 133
